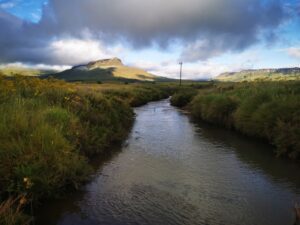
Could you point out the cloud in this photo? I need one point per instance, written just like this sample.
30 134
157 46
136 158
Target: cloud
207 28
7 5
293 52
21 42
76 51
201 70
203 49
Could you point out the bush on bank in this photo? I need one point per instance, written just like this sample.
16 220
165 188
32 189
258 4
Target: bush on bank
183 96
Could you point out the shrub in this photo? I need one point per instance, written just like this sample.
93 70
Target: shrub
183 96
214 108
243 116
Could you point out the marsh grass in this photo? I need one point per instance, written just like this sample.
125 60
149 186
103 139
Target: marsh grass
49 129
11 212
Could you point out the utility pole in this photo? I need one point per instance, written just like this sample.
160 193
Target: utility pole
180 72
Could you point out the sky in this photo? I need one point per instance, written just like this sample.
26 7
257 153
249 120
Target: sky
209 36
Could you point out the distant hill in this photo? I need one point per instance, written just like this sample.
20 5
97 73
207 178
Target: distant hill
261 74
106 70
23 71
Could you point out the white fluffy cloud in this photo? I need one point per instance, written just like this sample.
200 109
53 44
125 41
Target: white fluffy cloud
76 51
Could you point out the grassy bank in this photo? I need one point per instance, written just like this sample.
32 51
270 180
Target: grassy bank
49 129
267 110
184 94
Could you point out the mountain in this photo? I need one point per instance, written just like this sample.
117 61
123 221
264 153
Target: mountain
261 74
23 71
106 70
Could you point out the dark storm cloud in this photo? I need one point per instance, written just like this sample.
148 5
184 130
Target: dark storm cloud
16 44
206 27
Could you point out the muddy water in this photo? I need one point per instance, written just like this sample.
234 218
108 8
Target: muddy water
171 171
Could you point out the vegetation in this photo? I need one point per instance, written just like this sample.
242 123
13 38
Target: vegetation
284 74
49 129
142 94
267 110
11 212
186 93
13 70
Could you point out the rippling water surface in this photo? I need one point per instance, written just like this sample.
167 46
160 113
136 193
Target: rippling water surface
171 171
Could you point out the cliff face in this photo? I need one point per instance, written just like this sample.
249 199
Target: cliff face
105 63
261 74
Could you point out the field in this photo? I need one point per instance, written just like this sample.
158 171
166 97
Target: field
266 110
49 129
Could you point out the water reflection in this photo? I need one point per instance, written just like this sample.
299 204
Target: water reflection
255 153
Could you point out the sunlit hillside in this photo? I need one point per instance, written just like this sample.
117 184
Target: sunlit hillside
284 74
106 70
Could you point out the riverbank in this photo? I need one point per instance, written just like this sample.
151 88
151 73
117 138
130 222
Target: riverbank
49 129
266 110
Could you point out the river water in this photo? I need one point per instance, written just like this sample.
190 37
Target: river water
171 171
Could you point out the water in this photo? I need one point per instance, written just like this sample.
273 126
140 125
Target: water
171 171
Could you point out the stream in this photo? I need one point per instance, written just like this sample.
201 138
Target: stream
173 171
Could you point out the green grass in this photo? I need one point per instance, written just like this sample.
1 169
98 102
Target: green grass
267 110
49 129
